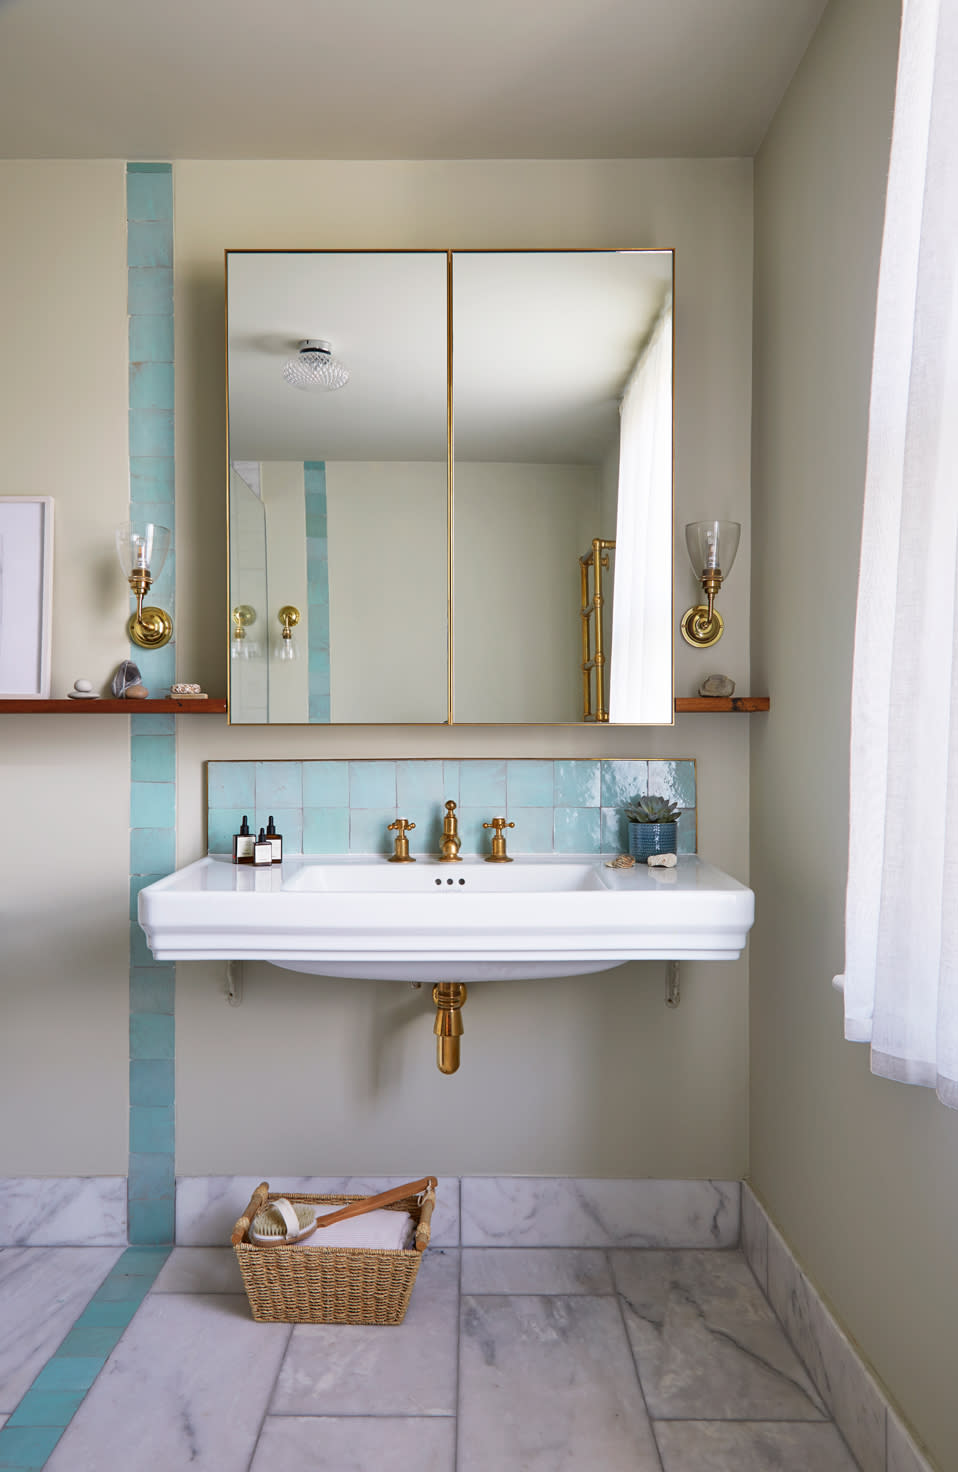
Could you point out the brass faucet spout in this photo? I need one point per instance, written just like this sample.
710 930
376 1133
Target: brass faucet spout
451 842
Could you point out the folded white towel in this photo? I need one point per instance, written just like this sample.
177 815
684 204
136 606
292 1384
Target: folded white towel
392 1229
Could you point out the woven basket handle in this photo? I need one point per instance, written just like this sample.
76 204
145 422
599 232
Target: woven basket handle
257 1202
385 1198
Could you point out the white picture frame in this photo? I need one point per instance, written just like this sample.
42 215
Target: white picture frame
26 596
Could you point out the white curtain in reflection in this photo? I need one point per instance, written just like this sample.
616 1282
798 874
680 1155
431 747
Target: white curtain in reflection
901 957
640 687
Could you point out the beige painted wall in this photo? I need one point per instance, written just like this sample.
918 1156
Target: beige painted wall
861 1174
592 1077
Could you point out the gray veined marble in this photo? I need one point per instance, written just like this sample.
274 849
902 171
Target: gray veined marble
755 1236
355 1444
208 1207
547 1385
407 1369
903 1455
200 1270
42 1293
535 1270
556 1212
723 1446
706 1342
186 1386
63 1211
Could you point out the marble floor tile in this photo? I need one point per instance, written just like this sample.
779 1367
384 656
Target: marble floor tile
357 1444
743 1446
187 1386
406 1369
539 1212
706 1342
200 1270
755 1237
535 1270
43 1290
902 1454
64 1211
547 1384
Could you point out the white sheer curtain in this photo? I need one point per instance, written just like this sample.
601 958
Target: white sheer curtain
901 944
640 686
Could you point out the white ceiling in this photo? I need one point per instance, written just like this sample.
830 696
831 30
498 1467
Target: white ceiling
375 79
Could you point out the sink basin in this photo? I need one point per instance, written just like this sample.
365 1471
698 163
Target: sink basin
364 917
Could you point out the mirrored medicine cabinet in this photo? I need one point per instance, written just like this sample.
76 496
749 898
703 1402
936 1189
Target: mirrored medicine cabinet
473 524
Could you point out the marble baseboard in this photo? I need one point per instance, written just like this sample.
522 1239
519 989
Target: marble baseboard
63 1211
877 1437
533 1211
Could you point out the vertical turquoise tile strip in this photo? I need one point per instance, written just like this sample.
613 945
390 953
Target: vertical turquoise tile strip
317 580
150 1179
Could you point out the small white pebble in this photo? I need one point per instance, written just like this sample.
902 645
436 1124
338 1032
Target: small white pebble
661 861
82 685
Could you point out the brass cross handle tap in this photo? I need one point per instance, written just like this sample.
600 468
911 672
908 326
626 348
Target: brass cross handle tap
498 855
402 854
451 842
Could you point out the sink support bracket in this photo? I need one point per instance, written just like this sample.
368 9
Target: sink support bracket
234 983
672 994
449 997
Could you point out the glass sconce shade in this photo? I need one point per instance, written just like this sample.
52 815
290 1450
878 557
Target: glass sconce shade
288 617
142 547
712 544
314 367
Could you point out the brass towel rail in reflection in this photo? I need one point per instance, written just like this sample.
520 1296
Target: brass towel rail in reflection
593 663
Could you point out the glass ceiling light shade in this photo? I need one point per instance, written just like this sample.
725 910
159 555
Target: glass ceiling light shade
712 546
314 367
142 547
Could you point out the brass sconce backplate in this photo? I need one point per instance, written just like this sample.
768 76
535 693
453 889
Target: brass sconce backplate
698 629
152 629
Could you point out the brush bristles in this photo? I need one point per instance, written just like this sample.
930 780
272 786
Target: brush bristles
269 1223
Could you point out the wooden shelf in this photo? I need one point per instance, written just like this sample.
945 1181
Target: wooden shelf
745 704
214 706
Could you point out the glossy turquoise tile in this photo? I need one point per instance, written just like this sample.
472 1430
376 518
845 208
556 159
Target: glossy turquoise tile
231 785
674 780
368 830
106 1315
138 882
157 666
47 1408
623 780
615 831
150 291
451 781
152 805
149 166
578 784
152 850
221 824
149 196
475 839
152 1131
152 1221
687 843
141 1261
578 830
326 830
149 243
151 1082
151 1035
26 1448
86 1342
151 386
152 758
155 723
123 1287
530 784
278 785
319 658
140 953
483 785
372 784
152 480
320 711
77 1372
533 832
417 783
150 1177
153 988
151 339
151 432
288 822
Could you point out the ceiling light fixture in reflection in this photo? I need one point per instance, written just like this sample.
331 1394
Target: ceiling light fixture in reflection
314 367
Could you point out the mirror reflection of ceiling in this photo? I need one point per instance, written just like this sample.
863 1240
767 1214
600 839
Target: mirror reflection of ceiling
544 343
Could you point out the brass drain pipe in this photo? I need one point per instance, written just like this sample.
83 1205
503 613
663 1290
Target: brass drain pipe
448 997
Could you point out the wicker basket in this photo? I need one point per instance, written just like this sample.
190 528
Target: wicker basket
329 1285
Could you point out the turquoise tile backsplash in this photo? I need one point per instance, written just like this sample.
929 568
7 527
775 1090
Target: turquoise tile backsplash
337 807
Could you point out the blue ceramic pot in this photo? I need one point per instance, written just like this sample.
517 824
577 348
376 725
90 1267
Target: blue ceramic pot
652 838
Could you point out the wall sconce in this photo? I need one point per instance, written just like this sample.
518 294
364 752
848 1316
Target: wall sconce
142 548
315 367
289 618
712 547
241 645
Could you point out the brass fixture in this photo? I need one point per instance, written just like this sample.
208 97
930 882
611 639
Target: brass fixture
449 997
142 549
243 615
401 854
289 618
710 543
593 664
498 855
451 842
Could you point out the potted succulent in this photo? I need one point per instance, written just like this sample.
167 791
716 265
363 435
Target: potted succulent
653 826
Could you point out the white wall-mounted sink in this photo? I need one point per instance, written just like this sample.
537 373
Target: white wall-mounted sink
553 915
